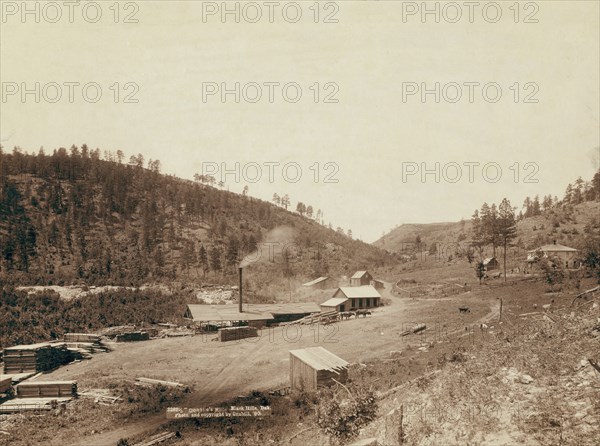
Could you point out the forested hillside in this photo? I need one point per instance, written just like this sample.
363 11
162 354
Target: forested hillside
74 218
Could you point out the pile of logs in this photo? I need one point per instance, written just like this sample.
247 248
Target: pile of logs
46 389
236 333
36 357
416 329
157 382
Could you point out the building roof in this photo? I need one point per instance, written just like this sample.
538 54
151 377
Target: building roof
488 260
358 274
205 313
555 248
319 359
314 282
252 312
290 308
358 291
334 301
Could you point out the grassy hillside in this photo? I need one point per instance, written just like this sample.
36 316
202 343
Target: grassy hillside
571 221
403 239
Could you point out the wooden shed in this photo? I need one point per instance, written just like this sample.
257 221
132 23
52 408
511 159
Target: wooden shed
491 264
314 367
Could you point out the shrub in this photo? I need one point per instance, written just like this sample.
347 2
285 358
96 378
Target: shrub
342 417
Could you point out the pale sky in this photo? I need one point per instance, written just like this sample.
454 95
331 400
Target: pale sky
371 54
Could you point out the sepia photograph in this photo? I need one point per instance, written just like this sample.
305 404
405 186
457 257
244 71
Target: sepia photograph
299 223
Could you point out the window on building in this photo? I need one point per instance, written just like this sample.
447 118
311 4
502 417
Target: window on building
359 303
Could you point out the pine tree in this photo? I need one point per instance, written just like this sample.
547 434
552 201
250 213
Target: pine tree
215 258
203 258
507 226
232 252
480 270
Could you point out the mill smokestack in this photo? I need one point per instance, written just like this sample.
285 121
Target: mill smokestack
241 293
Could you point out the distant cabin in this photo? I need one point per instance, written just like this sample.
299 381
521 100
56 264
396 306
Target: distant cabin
352 298
361 278
491 263
322 283
568 256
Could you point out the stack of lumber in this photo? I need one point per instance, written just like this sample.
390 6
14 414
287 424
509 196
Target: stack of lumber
82 337
17 377
84 344
47 389
133 336
35 357
316 318
236 333
34 404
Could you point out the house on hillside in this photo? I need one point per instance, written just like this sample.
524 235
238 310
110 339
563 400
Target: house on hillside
490 264
361 278
322 283
352 298
568 256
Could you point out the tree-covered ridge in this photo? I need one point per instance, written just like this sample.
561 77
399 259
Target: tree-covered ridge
79 216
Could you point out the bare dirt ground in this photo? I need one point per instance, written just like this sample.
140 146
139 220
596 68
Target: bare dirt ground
219 371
